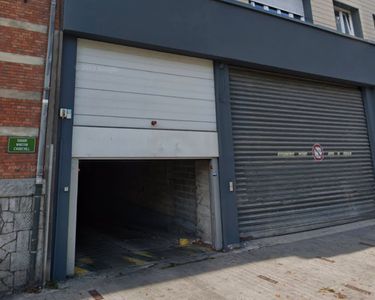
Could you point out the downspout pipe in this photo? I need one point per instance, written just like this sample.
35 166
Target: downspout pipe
42 144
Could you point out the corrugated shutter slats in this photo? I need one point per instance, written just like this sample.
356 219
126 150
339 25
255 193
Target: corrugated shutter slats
280 188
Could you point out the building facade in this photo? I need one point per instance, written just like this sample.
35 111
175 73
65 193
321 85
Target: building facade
24 36
324 10
236 120
326 13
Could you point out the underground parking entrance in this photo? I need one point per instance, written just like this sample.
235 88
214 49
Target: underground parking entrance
135 214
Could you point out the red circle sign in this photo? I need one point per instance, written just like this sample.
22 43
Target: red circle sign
318 152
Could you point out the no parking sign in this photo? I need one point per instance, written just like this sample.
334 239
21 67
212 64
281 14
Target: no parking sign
318 152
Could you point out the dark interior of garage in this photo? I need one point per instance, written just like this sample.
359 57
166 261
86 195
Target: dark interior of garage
136 213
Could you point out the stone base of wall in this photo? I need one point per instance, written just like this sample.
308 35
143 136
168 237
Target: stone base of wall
16 218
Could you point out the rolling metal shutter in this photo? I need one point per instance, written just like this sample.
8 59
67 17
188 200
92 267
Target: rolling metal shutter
280 187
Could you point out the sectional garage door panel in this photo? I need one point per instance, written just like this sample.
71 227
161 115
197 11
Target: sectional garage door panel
133 103
125 87
280 187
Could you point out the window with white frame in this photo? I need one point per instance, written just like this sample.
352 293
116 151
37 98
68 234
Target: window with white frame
344 21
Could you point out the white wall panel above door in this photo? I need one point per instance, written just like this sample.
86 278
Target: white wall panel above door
120 143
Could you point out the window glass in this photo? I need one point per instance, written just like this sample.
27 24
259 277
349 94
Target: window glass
344 21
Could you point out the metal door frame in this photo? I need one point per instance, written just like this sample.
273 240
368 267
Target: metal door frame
216 226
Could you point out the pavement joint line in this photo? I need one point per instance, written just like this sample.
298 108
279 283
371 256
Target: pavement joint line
326 259
354 288
268 279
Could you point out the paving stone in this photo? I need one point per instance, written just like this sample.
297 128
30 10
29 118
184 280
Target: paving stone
8 281
14 204
4 274
3 254
7 216
20 278
8 228
26 204
10 247
6 238
15 224
22 221
23 241
5 264
17 187
3 287
4 204
20 261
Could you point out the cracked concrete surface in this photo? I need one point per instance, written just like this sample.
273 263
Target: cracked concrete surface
334 266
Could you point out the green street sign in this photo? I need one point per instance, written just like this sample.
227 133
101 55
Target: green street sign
20 145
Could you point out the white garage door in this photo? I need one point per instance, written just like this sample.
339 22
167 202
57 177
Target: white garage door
132 102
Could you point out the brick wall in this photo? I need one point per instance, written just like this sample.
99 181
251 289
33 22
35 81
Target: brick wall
34 11
23 46
14 166
24 42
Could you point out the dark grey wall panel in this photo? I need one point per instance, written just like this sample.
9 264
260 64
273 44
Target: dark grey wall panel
65 131
226 156
368 95
280 188
222 30
308 11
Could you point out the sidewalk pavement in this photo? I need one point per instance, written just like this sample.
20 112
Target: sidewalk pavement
335 266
